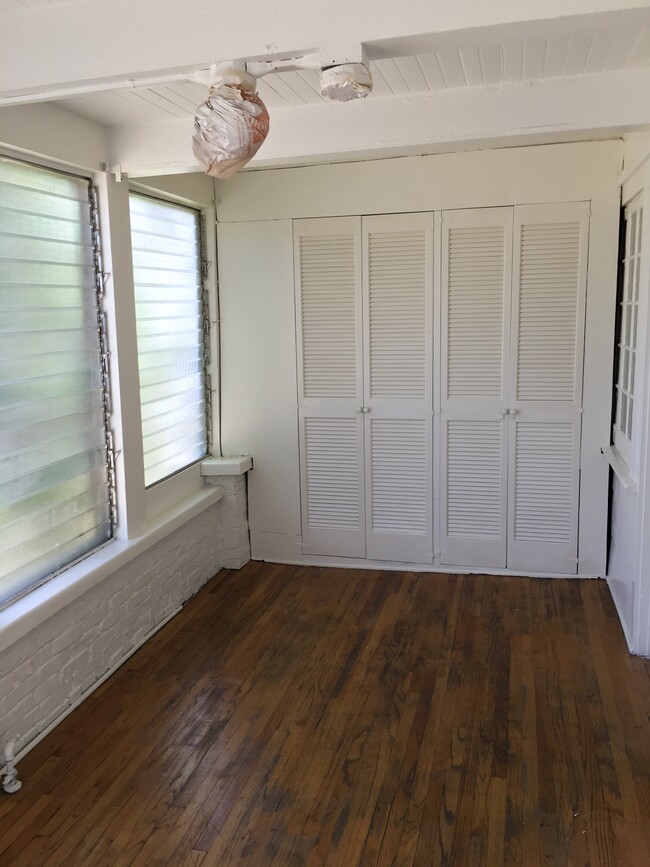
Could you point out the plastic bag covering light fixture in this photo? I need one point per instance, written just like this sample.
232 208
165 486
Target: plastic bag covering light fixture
230 126
345 82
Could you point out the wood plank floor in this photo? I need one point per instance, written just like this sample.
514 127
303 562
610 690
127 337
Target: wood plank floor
312 716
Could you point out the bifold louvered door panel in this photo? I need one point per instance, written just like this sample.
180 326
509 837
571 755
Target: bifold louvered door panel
549 292
397 305
330 384
475 304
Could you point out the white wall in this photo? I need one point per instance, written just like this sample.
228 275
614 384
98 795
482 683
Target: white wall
549 173
192 188
254 212
258 383
51 133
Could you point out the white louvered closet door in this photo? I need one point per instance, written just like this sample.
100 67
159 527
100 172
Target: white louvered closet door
398 321
549 293
475 304
330 385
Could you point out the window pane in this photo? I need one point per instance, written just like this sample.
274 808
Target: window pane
628 324
167 277
54 499
625 356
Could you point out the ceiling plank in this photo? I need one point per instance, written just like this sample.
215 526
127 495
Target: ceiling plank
451 67
556 54
392 76
534 54
577 53
492 63
432 71
513 61
412 74
472 68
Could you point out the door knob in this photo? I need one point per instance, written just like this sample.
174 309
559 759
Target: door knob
514 411
504 412
366 409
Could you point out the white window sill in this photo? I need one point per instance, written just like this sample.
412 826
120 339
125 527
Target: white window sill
36 607
236 466
618 463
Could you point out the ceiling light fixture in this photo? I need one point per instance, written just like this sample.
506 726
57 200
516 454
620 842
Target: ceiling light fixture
232 124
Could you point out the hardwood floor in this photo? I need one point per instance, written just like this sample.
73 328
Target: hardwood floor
313 716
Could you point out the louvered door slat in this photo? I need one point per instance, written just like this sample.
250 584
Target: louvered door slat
476 272
543 482
397 277
332 461
399 475
476 268
327 266
474 478
550 266
328 281
330 385
397 293
549 275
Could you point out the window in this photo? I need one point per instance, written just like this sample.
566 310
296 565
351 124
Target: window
627 331
55 456
172 348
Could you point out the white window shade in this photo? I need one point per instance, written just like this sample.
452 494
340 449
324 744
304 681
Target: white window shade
167 277
54 493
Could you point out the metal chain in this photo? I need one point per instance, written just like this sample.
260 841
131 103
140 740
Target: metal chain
205 329
104 354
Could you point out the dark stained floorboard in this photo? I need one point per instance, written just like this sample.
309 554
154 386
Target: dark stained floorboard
307 716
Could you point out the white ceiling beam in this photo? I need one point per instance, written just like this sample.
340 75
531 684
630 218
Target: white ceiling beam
595 106
91 44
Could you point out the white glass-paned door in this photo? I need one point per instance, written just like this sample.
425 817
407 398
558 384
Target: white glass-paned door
167 277
54 496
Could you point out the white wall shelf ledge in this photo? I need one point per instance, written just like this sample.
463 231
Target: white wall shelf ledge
620 467
235 466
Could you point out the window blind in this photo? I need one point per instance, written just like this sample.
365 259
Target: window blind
171 360
54 493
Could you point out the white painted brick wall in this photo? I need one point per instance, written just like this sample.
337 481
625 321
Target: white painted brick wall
53 666
234 542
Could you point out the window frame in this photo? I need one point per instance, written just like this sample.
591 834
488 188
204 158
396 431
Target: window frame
142 517
103 367
627 336
204 307
163 497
